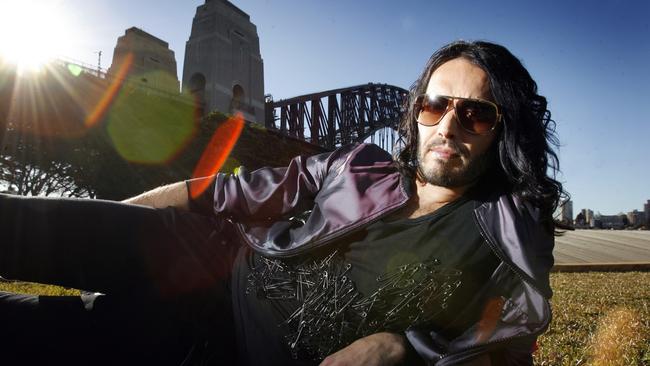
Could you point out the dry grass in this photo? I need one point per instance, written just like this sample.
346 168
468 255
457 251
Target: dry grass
37 289
617 339
599 318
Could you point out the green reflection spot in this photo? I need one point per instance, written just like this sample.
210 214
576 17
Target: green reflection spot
74 69
401 258
149 128
230 165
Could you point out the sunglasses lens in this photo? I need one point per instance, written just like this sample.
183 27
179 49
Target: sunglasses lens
476 116
432 109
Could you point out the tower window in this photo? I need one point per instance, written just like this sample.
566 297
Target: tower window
237 98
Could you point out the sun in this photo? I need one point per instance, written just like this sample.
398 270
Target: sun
32 32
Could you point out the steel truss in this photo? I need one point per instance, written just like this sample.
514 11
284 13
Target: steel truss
341 116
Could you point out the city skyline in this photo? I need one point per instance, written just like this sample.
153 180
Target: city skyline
623 211
589 61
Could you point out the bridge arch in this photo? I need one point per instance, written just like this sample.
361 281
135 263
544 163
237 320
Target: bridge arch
386 137
340 116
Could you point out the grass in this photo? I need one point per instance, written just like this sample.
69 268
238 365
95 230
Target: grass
599 319
38 289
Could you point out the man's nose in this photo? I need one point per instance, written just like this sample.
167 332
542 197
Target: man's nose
448 126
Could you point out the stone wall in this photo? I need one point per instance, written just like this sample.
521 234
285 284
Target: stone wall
223 66
154 64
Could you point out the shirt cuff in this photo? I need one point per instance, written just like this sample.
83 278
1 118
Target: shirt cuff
203 203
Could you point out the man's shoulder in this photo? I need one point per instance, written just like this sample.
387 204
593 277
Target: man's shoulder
364 147
363 152
505 200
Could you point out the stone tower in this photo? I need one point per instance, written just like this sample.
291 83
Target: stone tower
154 64
223 67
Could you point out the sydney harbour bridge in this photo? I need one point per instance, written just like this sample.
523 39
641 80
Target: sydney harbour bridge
369 112
144 124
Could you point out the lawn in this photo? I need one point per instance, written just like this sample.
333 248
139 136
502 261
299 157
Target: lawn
599 318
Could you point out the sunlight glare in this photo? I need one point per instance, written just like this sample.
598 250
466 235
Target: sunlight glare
32 32
214 156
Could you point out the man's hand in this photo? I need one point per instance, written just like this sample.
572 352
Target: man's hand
375 349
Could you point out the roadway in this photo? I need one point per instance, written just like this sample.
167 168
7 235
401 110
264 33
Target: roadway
602 250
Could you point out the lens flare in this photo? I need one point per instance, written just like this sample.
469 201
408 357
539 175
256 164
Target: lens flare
33 32
398 259
109 95
149 128
221 144
52 103
75 70
489 318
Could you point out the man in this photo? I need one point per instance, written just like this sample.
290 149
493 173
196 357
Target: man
349 257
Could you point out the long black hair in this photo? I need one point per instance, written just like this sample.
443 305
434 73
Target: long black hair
526 142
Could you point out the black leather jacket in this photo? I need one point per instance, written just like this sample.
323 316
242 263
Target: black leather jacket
283 212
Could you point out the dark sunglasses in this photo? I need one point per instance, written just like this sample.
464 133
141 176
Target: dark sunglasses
475 116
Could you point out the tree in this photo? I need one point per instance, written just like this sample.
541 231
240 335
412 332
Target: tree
52 179
31 165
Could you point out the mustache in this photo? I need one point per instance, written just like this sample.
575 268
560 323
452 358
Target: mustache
449 144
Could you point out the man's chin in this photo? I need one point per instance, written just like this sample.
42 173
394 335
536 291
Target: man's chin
450 178
454 172
444 166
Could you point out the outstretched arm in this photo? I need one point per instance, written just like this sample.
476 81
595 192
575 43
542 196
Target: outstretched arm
103 245
376 349
385 349
174 195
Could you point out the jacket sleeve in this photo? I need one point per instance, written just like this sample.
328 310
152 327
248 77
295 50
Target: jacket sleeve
265 193
431 349
104 246
517 353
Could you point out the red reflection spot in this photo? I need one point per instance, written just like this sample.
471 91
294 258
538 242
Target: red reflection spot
489 318
216 153
109 95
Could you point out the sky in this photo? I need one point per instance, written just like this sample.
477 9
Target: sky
591 60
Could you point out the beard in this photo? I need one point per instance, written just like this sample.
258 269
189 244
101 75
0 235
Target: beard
459 172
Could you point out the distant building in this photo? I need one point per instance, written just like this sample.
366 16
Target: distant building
566 215
589 216
646 210
636 218
153 63
580 220
616 222
223 67
584 219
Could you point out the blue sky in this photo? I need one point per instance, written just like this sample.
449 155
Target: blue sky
591 59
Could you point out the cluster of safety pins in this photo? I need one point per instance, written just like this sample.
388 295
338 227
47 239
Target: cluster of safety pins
332 313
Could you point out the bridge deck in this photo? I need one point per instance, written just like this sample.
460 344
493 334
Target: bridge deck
602 246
